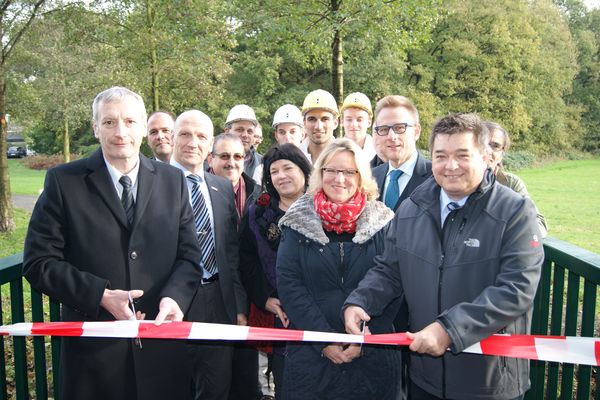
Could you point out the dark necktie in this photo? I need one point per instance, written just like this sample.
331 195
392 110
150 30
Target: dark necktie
203 228
392 193
127 198
453 206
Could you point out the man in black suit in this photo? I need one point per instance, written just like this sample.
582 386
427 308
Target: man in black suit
106 229
220 298
397 122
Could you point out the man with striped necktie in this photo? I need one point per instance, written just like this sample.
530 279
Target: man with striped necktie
220 297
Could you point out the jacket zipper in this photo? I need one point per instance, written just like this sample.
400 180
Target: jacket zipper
342 268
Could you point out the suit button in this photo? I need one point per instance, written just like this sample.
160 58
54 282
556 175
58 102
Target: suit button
133 255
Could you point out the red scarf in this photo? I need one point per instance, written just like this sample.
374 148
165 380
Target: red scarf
340 217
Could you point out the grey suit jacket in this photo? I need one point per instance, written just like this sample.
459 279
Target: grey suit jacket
421 172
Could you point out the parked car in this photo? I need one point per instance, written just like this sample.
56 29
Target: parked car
16 152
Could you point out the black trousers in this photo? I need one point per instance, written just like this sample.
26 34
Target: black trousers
212 361
244 381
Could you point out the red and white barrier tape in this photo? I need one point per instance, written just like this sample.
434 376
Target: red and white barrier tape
566 349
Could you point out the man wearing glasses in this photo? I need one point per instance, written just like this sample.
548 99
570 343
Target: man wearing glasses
397 123
227 161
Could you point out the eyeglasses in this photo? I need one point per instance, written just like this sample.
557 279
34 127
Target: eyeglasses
227 156
496 146
399 129
331 172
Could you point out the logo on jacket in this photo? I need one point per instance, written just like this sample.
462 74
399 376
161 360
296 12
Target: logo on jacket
470 242
534 242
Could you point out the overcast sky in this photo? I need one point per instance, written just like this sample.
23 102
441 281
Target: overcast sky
592 3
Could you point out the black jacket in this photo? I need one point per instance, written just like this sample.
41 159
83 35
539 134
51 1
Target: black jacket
79 243
314 277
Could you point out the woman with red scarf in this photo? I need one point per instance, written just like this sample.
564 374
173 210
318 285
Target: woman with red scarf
328 241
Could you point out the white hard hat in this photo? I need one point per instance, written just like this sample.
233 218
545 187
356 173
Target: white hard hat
289 114
241 112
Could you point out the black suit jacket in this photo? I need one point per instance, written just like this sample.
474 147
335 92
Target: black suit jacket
420 174
79 243
226 249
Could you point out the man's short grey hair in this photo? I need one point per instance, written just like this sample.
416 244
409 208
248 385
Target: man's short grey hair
228 137
115 94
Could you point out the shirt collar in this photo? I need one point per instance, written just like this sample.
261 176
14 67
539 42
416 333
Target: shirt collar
407 167
186 172
445 200
115 174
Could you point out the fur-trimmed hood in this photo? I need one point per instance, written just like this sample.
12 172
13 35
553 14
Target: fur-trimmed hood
303 218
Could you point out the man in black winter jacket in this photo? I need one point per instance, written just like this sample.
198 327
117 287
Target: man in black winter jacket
466 254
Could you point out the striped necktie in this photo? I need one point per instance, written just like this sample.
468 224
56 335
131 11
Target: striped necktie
203 228
127 198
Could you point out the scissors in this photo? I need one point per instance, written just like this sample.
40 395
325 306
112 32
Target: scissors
363 325
137 341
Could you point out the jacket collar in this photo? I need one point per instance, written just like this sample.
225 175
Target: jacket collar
99 177
303 218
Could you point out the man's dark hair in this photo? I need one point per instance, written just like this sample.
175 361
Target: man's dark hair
460 123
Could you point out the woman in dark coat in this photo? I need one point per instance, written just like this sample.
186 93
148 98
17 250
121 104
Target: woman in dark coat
285 179
329 239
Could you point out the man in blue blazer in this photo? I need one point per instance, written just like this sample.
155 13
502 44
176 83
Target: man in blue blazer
220 298
107 229
397 122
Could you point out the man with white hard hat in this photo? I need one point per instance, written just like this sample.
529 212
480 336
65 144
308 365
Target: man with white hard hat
357 117
287 125
320 112
242 122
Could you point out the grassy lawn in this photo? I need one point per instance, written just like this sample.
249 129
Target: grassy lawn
24 180
11 243
568 194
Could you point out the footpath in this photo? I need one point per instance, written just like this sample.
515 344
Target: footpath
25 202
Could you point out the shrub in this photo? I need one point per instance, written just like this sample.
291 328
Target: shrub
43 162
519 159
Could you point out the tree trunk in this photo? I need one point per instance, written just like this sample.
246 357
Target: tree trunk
66 140
7 221
337 63
150 16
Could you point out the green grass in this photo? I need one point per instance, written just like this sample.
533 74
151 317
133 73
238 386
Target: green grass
11 243
24 180
568 194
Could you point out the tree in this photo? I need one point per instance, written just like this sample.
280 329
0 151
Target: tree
176 53
585 28
15 19
56 74
509 60
290 50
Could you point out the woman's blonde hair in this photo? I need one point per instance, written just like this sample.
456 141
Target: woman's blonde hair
366 183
